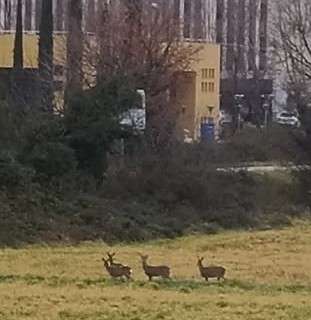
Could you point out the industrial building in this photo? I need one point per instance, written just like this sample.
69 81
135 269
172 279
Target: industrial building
238 27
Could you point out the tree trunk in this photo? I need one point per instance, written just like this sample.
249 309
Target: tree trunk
103 39
263 35
28 15
59 15
74 47
230 56
252 35
198 20
7 14
46 55
241 38
38 14
18 44
187 18
220 27
90 17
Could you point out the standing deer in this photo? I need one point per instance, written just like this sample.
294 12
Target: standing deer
118 271
212 271
112 263
154 271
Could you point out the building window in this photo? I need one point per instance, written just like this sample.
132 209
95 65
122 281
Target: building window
208 73
204 73
204 86
211 87
211 73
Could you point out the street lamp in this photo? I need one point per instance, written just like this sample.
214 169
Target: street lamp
267 101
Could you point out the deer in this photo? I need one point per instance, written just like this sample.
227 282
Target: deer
154 271
117 271
212 271
110 259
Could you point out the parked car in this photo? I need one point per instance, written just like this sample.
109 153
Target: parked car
135 117
288 118
224 119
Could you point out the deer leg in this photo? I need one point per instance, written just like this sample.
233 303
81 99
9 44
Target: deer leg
206 278
150 278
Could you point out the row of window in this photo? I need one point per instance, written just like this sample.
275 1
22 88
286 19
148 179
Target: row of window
207 86
208 73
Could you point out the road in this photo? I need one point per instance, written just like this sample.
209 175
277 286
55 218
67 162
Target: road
264 168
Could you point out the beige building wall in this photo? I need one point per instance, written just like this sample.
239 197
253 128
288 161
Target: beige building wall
197 90
207 68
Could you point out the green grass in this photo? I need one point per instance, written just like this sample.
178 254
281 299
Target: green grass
268 277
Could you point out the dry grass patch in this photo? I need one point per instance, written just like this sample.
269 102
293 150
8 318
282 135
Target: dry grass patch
269 277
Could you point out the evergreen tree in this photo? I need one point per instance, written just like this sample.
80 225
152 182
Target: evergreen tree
18 44
46 54
74 48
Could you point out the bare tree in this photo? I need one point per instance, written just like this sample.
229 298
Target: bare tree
293 46
294 27
143 45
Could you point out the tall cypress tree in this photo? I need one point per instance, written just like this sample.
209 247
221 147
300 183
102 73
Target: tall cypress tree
38 14
28 14
46 54
18 44
74 47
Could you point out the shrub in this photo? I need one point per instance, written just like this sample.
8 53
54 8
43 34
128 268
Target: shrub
52 160
13 175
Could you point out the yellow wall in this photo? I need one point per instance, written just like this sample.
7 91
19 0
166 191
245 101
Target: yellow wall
207 68
206 86
30 50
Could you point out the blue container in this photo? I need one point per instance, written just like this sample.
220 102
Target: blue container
207 132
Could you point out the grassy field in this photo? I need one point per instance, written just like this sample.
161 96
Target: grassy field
268 277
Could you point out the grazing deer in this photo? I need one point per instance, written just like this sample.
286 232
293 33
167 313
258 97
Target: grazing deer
211 272
118 271
154 271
